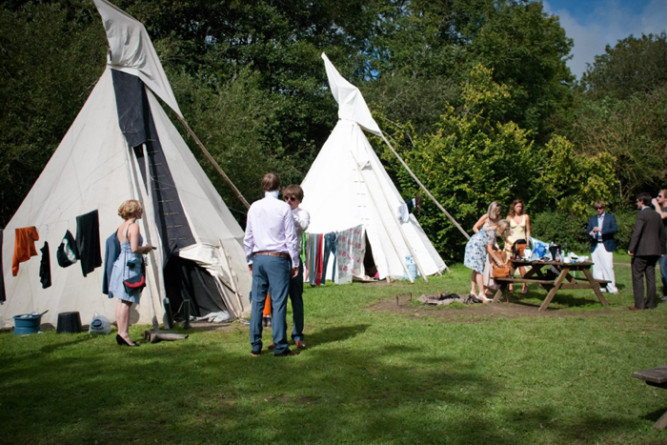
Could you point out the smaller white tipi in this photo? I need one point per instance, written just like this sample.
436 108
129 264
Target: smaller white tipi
122 145
347 187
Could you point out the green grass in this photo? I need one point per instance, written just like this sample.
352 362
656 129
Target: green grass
369 376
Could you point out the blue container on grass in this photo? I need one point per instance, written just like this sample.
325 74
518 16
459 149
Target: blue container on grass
27 324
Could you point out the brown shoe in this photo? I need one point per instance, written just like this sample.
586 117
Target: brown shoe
272 345
635 308
299 344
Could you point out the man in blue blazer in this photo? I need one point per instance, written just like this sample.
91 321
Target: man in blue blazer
601 230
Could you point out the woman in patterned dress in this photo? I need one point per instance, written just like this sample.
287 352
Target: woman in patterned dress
481 244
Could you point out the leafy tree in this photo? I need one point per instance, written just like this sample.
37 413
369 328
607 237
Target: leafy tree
633 132
52 55
232 119
622 111
469 161
281 41
633 65
527 51
571 182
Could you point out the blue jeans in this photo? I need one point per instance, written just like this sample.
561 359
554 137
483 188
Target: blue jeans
296 297
330 244
270 274
663 272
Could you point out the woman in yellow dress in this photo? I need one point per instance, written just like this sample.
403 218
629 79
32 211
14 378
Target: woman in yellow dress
519 229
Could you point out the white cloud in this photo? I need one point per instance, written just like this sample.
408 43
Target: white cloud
605 23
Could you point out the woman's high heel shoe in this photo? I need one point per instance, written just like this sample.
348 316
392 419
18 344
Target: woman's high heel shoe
484 298
122 342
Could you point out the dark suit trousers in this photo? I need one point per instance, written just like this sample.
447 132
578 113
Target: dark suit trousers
644 266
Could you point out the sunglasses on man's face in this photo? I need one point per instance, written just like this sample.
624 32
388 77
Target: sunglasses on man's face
290 198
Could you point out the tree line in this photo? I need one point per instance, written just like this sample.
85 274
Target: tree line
475 95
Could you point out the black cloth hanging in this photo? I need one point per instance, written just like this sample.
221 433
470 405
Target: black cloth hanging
45 267
66 254
88 241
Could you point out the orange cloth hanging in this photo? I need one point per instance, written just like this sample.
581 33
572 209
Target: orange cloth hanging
24 246
267 306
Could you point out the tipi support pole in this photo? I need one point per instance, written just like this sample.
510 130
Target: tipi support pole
214 163
451 218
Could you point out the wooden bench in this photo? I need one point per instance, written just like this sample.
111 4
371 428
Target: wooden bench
522 280
655 377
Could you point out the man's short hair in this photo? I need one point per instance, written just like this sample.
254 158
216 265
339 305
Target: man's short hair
644 198
270 182
599 205
294 190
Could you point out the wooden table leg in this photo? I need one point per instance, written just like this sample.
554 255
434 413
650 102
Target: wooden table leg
499 293
661 424
553 290
595 286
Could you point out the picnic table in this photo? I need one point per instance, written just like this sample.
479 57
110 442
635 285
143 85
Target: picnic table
552 276
655 377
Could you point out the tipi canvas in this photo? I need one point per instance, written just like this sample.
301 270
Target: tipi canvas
122 146
347 187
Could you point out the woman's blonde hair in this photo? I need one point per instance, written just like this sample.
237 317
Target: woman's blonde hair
130 208
493 207
502 228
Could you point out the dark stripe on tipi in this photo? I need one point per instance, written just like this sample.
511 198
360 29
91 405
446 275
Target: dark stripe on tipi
136 123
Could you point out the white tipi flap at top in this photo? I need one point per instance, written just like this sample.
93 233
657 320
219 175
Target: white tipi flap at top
131 51
351 104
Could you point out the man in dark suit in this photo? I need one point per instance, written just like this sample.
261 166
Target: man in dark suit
647 244
601 230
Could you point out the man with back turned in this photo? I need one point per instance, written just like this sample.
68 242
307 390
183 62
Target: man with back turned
271 252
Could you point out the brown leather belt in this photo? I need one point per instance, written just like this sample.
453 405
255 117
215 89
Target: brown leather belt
266 252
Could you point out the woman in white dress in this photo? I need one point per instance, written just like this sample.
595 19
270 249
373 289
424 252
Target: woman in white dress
519 229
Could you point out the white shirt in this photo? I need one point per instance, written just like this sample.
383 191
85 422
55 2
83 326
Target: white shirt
270 227
301 222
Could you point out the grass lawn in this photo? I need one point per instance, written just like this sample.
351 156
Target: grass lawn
371 374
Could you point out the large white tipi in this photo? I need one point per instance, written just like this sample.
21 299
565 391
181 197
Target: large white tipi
122 145
347 187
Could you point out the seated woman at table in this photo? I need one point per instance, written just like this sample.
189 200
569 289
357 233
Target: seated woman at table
519 229
483 244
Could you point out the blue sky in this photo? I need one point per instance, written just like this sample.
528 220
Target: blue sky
593 24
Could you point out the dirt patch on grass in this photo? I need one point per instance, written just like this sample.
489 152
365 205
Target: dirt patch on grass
472 313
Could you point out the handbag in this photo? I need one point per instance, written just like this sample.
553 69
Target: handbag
501 271
137 283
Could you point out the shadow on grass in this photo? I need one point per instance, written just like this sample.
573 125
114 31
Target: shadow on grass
653 416
351 388
564 298
337 333
71 341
